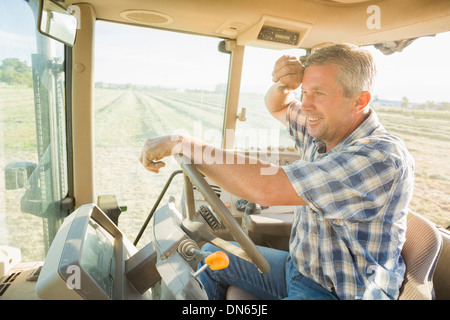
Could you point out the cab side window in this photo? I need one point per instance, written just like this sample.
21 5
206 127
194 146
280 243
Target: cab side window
260 130
33 155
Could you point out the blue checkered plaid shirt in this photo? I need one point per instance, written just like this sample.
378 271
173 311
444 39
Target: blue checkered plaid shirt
350 237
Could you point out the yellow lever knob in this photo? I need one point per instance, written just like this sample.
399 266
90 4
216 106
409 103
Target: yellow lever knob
217 260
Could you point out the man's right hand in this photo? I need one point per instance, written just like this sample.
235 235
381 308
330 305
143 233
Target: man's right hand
158 148
287 75
288 72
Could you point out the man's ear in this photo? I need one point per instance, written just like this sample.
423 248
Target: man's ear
362 100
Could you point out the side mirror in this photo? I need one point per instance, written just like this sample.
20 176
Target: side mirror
17 174
56 22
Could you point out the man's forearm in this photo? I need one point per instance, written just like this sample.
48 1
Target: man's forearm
277 100
242 176
245 177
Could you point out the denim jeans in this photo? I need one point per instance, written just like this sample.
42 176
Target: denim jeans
282 282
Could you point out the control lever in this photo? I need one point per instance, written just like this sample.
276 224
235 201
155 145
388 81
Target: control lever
215 261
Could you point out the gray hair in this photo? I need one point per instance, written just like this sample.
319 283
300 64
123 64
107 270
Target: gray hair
357 68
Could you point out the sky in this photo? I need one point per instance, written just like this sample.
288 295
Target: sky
420 72
152 57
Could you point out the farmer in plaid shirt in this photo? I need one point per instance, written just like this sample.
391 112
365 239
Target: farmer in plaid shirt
356 178
351 186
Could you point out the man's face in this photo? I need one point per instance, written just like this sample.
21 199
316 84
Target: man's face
330 116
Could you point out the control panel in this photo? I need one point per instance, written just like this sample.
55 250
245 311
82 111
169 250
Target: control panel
279 35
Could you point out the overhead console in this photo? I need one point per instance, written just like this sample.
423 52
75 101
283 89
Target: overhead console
275 33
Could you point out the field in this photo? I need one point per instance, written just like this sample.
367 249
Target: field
427 135
125 118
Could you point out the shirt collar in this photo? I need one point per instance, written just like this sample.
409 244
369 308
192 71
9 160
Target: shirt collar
364 129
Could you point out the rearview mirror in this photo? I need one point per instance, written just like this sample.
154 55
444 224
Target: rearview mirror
56 22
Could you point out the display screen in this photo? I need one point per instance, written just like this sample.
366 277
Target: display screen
97 256
282 37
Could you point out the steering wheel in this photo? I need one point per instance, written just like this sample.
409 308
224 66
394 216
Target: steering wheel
197 228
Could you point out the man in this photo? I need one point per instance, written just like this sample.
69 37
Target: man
351 187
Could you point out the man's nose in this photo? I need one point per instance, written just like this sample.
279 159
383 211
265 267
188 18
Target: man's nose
307 102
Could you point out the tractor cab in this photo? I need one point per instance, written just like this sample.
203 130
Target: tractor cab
84 84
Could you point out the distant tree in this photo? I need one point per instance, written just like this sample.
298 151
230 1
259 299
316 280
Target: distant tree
16 72
430 104
427 105
220 88
405 102
445 105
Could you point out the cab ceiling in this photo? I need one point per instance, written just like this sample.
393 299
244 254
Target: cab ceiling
323 21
